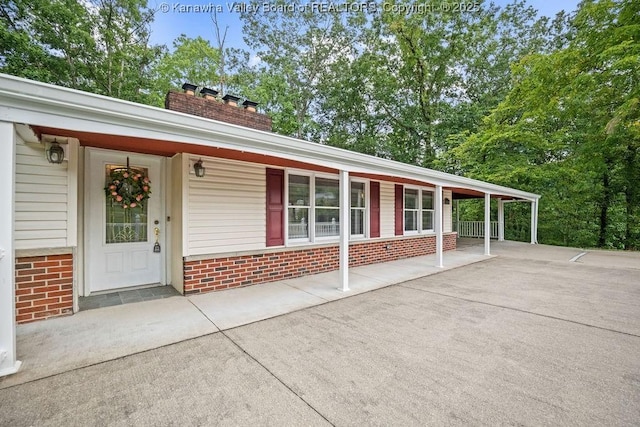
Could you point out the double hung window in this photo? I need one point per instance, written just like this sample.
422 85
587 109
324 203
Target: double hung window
418 210
313 207
327 207
358 208
313 217
299 206
427 210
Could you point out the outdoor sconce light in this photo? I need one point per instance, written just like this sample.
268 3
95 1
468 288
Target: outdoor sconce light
447 201
55 153
199 169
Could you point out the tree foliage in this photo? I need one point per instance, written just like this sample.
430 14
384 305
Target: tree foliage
194 61
551 106
100 46
567 130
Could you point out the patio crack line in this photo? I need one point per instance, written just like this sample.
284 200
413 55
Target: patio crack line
276 378
524 311
204 314
307 292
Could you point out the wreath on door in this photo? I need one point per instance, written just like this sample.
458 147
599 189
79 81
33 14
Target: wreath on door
128 188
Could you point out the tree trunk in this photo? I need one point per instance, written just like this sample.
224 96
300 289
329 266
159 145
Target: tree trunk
604 209
630 196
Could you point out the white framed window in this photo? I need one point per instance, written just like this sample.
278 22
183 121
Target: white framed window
313 207
418 210
299 206
358 202
327 207
411 210
427 210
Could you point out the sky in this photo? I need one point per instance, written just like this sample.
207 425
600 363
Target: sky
193 18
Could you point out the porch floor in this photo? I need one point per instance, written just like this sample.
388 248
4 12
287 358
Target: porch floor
94 336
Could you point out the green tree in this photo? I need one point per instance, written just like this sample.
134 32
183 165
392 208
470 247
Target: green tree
100 46
194 61
120 65
296 46
46 41
568 130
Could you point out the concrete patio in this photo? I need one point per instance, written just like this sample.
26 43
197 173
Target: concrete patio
533 336
94 336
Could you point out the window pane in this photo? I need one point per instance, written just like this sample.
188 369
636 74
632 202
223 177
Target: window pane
427 220
327 222
357 195
427 200
357 221
298 190
410 220
298 223
327 192
125 225
410 199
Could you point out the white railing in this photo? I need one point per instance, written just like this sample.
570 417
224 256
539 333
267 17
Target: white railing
323 229
475 229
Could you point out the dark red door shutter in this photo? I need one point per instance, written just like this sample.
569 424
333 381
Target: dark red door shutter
374 208
399 210
275 207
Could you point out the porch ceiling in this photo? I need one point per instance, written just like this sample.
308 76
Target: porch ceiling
169 148
465 193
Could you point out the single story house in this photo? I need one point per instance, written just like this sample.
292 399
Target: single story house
101 194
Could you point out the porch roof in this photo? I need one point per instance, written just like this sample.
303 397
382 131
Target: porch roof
101 121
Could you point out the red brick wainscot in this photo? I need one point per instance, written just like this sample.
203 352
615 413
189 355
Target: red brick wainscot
44 287
229 272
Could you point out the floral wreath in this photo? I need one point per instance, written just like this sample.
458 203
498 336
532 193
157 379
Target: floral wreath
128 188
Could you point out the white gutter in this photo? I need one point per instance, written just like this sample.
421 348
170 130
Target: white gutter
35 103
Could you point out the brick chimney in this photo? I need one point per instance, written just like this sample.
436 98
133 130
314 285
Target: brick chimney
208 106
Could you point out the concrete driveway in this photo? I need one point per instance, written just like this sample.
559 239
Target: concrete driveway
525 338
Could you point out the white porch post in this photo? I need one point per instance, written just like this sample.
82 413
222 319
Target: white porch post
536 233
438 226
500 220
534 221
487 223
8 362
345 230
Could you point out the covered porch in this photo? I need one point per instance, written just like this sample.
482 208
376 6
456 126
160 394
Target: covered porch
491 226
97 131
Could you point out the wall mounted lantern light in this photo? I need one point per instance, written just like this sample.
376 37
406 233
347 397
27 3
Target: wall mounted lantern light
199 169
55 153
447 201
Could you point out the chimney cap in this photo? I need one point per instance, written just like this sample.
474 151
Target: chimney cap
248 103
189 86
209 91
230 98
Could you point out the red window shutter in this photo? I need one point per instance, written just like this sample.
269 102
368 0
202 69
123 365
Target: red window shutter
275 207
374 208
399 210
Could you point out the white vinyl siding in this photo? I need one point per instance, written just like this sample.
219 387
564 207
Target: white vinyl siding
41 204
226 208
447 223
387 209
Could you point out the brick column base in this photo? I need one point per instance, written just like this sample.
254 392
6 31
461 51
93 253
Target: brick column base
44 287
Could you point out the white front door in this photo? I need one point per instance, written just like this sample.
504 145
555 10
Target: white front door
119 241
